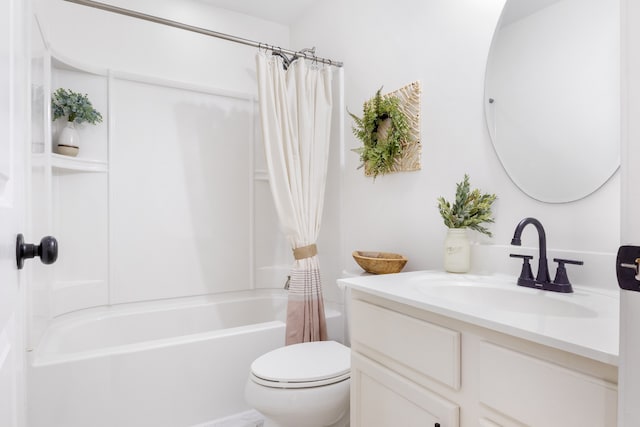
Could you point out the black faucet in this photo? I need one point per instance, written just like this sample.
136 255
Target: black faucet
542 281
543 268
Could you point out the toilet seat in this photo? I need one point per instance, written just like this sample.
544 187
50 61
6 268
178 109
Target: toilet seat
305 365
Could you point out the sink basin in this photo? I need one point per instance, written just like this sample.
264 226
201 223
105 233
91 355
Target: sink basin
517 300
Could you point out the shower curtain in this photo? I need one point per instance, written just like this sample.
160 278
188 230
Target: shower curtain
295 111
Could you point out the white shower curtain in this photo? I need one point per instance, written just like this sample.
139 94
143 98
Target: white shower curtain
295 110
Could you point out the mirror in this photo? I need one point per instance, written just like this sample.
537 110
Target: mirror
552 95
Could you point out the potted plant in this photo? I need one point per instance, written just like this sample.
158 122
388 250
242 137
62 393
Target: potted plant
471 209
77 109
382 129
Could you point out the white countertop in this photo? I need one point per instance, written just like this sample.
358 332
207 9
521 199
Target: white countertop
585 322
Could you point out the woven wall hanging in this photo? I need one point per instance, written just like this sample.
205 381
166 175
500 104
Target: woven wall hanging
409 97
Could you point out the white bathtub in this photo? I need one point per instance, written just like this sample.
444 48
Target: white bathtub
168 363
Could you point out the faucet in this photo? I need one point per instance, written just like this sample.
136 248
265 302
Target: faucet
543 268
542 281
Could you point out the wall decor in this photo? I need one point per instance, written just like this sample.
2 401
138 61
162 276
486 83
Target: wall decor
390 131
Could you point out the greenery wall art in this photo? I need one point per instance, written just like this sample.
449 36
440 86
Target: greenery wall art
389 130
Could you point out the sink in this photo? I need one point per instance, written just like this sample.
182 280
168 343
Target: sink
585 322
525 301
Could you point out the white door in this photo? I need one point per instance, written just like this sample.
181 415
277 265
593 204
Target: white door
14 127
629 373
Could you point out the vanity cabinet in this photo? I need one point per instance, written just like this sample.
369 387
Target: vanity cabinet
413 367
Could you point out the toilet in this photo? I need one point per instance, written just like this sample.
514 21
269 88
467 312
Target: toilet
302 385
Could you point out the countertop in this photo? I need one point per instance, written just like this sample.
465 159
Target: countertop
585 322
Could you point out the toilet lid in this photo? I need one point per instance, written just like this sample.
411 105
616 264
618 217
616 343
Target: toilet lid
298 365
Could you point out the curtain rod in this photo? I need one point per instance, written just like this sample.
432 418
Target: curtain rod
176 24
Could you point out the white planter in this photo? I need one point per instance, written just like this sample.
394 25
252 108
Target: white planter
68 142
457 251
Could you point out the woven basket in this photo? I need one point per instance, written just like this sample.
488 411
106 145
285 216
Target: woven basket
379 262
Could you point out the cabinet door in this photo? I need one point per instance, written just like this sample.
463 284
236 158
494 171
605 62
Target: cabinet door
382 398
539 393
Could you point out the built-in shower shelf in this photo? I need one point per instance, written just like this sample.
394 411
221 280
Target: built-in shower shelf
77 164
70 163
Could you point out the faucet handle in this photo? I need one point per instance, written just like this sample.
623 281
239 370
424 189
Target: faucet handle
562 261
526 275
525 258
561 282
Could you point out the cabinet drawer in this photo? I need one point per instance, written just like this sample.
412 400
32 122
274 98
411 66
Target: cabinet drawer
536 392
382 398
421 346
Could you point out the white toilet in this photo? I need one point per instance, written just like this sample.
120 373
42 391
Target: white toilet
302 385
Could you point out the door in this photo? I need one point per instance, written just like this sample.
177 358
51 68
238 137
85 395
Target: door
14 97
629 372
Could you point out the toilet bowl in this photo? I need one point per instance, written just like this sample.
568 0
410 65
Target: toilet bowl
302 385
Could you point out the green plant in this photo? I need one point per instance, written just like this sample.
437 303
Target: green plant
76 107
382 139
470 210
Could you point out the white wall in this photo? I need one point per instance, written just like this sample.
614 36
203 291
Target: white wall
444 44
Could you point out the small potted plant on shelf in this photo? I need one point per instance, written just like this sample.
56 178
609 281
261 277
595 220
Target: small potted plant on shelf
382 129
471 209
77 109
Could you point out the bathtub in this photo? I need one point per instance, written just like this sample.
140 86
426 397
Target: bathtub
170 363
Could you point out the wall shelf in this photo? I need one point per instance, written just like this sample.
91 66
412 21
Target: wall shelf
76 164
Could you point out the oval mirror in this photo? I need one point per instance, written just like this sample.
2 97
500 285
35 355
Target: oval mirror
552 95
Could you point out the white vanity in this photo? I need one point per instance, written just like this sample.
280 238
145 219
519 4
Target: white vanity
438 349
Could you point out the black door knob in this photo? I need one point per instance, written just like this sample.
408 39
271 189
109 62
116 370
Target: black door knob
47 250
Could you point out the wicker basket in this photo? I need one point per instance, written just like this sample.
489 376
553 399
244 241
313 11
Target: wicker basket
379 262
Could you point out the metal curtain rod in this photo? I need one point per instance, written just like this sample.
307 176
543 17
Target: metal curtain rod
176 24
